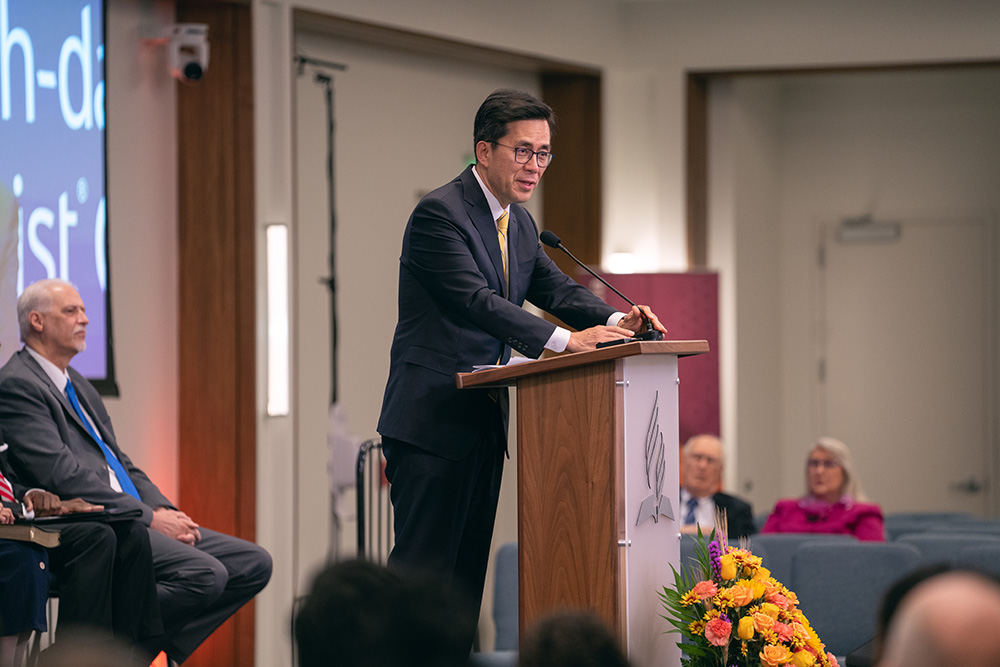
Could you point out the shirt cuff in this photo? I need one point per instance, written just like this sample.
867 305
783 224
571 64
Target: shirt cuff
558 341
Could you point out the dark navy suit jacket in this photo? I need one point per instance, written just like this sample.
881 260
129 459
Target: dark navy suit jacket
456 312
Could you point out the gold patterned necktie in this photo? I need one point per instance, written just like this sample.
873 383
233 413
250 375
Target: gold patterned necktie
502 238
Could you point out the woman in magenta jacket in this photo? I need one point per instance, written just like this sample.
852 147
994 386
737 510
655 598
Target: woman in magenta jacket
835 502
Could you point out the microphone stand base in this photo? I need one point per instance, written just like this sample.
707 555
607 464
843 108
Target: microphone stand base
644 336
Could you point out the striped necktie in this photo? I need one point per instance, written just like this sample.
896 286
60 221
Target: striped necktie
6 490
502 238
692 505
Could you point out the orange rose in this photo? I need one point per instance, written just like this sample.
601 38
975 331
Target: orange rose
762 622
774 655
742 595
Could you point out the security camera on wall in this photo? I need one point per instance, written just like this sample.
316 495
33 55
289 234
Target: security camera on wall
187 51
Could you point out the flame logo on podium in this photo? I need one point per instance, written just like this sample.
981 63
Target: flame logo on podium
655 505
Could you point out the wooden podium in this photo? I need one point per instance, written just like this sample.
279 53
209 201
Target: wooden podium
598 488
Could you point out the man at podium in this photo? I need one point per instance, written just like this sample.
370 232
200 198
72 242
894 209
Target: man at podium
470 258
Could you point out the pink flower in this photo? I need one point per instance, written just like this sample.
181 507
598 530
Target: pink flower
717 632
779 601
784 632
705 589
832 659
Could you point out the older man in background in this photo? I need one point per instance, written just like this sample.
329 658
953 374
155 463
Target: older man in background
701 490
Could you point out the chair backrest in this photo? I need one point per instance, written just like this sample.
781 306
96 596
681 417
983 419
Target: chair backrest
375 534
984 557
777 549
970 525
840 586
946 547
687 553
505 598
898 524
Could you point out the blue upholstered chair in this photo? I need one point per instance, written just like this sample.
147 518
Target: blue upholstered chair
505 619
985 557
777 548
505 598
946 547
898 524
840 585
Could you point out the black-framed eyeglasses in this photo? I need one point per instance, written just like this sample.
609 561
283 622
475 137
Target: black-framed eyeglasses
523 155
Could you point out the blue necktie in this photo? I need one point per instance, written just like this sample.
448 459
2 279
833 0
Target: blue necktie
123 479
692 504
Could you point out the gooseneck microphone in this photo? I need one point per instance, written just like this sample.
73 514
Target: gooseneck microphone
553 241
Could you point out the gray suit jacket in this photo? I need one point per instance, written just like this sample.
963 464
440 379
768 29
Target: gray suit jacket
50 448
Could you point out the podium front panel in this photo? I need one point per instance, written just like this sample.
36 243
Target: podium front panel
650 466
568 523
598 494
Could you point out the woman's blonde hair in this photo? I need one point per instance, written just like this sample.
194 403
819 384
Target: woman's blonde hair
842 455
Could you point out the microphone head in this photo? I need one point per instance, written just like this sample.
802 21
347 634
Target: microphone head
550 239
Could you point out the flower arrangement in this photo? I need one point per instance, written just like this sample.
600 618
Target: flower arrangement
731 612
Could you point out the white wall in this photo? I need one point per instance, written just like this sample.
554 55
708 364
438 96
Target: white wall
890 145
797 152
744 245
142 233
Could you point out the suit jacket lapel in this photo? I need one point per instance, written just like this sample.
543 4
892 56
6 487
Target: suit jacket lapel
479 213
33 366
89 409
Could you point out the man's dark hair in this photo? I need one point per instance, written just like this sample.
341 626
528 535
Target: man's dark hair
359 614
507 106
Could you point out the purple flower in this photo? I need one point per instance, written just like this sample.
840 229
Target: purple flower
715 558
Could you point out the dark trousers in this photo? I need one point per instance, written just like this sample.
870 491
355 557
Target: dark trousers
445 510
106 580
200 586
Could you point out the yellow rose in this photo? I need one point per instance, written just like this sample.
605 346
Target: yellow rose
762 573
772 655
803 658
770 609
728 569
745 630
758 588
